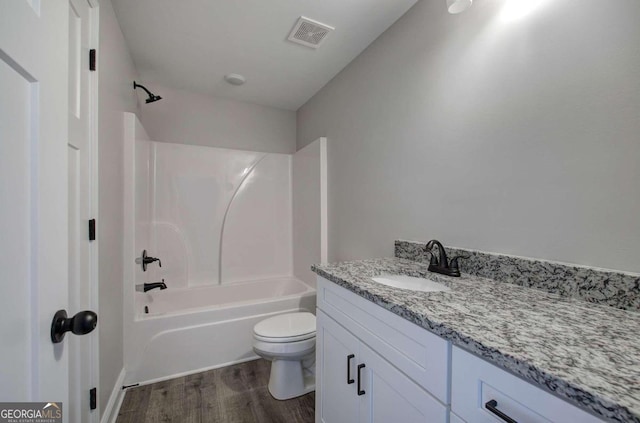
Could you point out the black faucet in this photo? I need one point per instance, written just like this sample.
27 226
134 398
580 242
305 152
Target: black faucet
149 286
442 264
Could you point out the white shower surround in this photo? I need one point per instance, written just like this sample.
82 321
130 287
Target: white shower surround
227 264
213 215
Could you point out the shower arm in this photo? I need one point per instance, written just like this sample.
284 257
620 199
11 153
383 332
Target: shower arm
149 93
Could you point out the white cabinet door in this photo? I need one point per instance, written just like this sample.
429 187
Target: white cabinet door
336 396
389 396
355 384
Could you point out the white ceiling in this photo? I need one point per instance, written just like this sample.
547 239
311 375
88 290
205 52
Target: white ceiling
192 44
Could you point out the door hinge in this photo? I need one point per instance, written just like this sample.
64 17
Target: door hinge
92 230
92 59
93 401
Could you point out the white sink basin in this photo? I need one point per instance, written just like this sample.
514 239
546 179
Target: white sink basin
411 283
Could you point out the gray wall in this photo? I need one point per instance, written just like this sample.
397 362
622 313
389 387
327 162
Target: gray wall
116 73
189 118
517 137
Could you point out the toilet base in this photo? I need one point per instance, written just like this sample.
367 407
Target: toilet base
289 379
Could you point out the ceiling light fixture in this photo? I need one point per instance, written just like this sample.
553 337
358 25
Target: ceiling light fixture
235 79
458 6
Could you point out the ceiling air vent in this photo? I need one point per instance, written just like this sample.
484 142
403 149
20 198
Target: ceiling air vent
309 32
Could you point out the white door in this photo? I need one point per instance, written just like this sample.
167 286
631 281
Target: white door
82 205
336 367
388 396
33 198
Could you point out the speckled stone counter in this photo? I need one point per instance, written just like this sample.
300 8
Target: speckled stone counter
600 286
585 353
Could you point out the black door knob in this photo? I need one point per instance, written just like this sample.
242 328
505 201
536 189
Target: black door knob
80 324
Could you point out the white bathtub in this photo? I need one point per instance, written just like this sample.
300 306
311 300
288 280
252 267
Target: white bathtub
194 329
188 300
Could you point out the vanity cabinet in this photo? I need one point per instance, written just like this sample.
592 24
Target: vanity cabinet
372 365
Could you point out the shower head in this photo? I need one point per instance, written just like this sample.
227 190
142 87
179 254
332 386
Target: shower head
152 96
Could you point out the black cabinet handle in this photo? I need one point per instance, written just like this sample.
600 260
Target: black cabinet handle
360 390
493 407
349 380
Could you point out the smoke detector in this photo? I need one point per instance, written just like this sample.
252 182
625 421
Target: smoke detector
309 33
235 79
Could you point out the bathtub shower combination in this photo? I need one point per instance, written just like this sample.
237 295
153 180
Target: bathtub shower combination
220 223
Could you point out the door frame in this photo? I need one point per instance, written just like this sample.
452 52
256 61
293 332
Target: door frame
94 15
93 87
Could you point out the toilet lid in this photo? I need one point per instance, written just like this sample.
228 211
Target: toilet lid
290 326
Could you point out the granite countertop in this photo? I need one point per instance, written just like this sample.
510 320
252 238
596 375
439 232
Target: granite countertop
585 353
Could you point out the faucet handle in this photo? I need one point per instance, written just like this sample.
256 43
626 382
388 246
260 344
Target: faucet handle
145 260
453 264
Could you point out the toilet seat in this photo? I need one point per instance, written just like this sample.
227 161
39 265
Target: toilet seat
290 327
281 340
284 350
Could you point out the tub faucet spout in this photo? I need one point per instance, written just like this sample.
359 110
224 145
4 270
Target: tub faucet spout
149 286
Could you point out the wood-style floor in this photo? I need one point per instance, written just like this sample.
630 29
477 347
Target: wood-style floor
234 394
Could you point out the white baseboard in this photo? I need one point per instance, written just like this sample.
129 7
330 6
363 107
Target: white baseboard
112 408
200 370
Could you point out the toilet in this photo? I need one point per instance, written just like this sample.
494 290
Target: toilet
289 342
